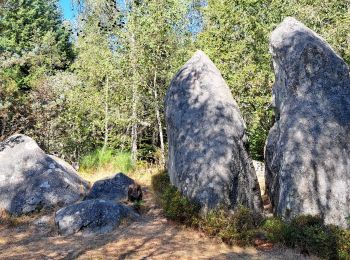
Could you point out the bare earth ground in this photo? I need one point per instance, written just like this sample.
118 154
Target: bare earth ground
151 237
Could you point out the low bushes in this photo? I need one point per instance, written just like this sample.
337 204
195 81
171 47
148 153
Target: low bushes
176 207
343 242
308 233
239 227
311 235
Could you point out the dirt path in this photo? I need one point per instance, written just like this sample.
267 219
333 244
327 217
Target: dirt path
151 237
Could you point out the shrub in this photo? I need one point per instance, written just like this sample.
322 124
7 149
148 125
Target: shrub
238 227
342 238
275 229
159 182
176 207
243 219
309 233
312 236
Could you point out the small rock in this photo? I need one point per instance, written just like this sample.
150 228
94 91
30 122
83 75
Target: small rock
134 192
43 221
114 189
92 217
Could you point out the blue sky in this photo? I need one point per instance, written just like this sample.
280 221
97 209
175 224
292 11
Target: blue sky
66 6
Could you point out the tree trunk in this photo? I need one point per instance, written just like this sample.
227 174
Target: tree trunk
159 121
105 141
134 106
4 124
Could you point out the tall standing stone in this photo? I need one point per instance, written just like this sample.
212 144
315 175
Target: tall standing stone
307 152
208 161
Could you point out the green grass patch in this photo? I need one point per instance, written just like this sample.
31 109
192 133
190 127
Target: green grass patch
307 233
118 161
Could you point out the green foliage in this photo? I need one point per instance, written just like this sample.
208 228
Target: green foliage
175 206
239 227
99 158
32 33
124 61
311 235
275 229
160 182
124 58
342 241
236 34
308 233
34 45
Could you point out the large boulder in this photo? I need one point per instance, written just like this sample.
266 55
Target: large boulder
208 161
91 216
31 180
114 189
308 150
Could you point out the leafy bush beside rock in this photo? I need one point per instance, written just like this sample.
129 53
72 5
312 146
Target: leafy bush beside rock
305 232
176 207
239 227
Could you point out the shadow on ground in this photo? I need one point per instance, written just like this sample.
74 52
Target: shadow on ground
152 237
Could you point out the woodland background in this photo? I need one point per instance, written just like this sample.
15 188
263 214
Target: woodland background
93 89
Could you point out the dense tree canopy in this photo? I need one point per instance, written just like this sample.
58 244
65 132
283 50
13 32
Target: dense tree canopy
236 37
34 39
102 84
34 44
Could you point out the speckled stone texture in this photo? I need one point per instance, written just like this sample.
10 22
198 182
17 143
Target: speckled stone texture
31 180
92 217
208 161
114 189
307 152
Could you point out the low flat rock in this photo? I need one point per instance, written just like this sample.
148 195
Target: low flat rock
208 161
114 189
92 217
308 151
31 180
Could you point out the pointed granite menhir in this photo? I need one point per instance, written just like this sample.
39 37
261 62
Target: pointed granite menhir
208 161
308 149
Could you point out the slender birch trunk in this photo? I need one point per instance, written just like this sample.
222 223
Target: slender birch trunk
134 126
159 121
106 132
4 125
